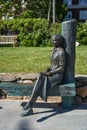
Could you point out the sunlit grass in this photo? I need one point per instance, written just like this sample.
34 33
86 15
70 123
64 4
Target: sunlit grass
81 60
24 59
35 59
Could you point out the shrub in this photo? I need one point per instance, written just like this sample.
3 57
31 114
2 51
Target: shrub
37 32
31 32
82 33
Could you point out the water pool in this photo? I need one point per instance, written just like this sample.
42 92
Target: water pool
17 89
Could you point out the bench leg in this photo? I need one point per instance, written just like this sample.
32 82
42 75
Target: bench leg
68 101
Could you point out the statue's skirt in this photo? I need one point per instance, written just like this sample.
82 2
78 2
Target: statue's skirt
49 82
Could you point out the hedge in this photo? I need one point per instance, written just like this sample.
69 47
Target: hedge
82 33
37 32
31 32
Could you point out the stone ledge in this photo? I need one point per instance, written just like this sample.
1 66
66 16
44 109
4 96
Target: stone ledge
20 78
15 77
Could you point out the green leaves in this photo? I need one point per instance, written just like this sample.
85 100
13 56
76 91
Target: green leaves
31 32
32 9
82 33
10 8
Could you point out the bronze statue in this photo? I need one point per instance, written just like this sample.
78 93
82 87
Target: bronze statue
51 77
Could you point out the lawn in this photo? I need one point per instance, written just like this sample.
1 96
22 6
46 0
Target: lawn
35 59
81 60
24 59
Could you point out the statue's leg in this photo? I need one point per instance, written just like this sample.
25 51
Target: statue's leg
34 95
35 92
29 107
31 102
55 80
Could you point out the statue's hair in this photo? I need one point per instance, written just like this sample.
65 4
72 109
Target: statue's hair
58 37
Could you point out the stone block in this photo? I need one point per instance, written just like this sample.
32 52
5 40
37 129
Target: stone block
82 91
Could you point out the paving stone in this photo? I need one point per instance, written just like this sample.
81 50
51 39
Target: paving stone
46 116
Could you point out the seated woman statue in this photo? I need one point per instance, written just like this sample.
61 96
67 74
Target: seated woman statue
51 77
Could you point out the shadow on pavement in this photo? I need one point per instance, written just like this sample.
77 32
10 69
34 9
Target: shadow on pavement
24 125
1 107
56 109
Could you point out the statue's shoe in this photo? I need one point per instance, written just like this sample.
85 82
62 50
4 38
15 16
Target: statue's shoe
26 106
27 113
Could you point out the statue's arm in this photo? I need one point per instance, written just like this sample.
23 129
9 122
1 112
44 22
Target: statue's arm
56 71
46 71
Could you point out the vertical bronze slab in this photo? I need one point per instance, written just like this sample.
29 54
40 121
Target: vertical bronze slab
69 33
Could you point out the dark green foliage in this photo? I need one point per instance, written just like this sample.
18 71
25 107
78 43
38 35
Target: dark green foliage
61 10
32 9
37 32
82 33
31 32
10 8
39 8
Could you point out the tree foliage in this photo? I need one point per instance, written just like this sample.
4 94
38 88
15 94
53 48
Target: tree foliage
82 33
31 9
61 10
10 8
38 7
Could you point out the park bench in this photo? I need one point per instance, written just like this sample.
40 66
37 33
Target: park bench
9 39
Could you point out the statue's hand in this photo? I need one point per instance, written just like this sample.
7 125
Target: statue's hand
48 74
42 73
47 70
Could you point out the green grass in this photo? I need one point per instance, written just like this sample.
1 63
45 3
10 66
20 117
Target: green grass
81 60
24 59
35 59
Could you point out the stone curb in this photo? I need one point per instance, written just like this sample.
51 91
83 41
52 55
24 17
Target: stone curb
20 77
26 78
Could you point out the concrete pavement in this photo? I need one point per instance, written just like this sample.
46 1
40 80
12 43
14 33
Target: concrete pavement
47 116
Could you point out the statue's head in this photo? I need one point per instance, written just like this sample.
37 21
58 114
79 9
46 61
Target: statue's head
57 40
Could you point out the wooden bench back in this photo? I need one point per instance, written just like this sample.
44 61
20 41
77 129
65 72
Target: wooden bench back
8 39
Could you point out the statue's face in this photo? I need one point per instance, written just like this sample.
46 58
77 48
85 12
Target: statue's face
57 40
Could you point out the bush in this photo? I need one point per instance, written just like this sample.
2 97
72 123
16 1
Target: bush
37 32
82 33
31 32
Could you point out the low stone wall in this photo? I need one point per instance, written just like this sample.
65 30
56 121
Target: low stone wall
18 78
81 83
